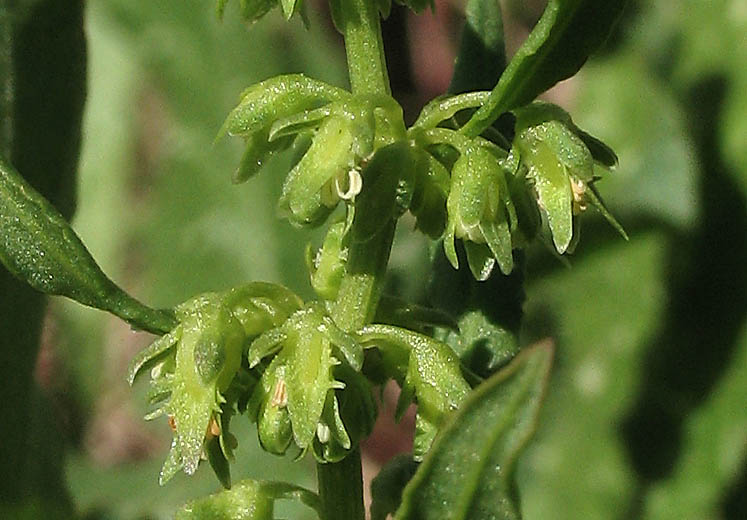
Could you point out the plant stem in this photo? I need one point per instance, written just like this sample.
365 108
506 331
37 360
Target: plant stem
360 289
361 27
338 483
341 483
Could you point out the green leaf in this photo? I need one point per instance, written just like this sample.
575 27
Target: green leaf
605 314
387 486
151 354
468 473
432 375
568 32
266 344
289 7
39 247
208 356
247 500
260 306
442 109
552 183
713 449
482 54
480 260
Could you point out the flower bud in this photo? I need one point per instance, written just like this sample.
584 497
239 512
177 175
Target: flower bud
561 167
479 209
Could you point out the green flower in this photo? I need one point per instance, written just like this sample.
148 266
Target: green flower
333 133
560 162
296 395
193 366
480 212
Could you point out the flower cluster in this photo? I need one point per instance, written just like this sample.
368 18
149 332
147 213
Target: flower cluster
193 367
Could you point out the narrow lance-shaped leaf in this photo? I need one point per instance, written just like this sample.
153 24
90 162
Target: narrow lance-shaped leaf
566 35
467 474
39 247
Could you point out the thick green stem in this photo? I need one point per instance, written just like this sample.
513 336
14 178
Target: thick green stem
361 27
360 289
341 483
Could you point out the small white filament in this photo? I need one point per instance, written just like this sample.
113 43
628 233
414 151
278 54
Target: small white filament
355 184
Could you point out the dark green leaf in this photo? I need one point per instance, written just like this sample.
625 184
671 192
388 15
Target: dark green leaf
482 54
713 449
568 32
387 486
468 472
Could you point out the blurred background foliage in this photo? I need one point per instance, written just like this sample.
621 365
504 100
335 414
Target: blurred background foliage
646 416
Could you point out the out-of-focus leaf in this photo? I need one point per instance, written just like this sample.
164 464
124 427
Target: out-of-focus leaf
712 42
568 32
713 450
734 123
482 54
468 474
602 314
622 103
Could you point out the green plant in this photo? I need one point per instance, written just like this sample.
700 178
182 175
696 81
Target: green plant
304 370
